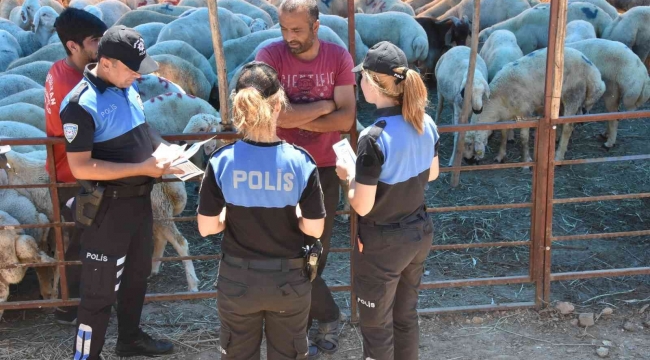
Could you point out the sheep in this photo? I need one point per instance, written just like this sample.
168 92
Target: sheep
381 6
628 4
254 25
43 30
451 76
150 86
340 26
138 17
492 11
518 91
499 49
171 113
398 28
22 209
51 53
111 11
16 247
531 26
603 5
441 36
243 7
94 10
330 7
149 33
269 8
186 29
13 84
631 28
237 50
578 30
30 8
24 113
166 9
186 75
417 4
188 53
626 78
36 71
14 129
436 8
16 17
193 3
10 50
6 6
33 96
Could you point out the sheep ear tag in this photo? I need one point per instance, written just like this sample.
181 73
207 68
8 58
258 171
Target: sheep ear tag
70 131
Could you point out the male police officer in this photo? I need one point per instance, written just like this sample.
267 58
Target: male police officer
109 147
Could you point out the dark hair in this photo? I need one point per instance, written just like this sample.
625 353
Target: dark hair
76 25
311 6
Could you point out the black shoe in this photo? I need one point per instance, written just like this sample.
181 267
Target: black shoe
66 316
143 346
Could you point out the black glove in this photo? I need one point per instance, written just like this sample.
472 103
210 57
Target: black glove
312 254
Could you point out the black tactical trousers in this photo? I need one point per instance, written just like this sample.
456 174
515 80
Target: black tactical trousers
323 306
387 275
250 301
73 272
116 255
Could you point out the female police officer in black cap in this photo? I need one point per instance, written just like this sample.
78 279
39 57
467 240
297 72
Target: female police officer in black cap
266 194
397 156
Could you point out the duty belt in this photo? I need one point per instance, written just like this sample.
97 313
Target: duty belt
268 264
119 191
409 221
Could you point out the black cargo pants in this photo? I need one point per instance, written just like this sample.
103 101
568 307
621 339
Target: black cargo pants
250 300
323 306
387 275
73 272
116 253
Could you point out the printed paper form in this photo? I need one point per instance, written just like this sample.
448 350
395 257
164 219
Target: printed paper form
182 157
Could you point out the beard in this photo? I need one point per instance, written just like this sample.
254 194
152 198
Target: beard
299 48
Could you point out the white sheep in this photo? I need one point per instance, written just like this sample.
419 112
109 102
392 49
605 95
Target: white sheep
28 169
24 113
382 6
632 29
43 29
451 75
398 28
33 96
138 17
14 129
628 4
112 10
328 7
50 52
435 8
166 9
578 30
30 8
23 210
245 8
6 6
12 84
266 6
171 113
254 25
10 50
625 76
93 10
36 71
239 49
602 4
186 75
340 26
16 247
186 52
531 26
492 11
149 33
186 29
499 49
151 85
518 91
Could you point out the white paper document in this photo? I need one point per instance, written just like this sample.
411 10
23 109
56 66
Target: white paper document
182 158
345 153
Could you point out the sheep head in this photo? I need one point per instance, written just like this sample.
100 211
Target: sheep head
475 143
28 11
44 23
95 11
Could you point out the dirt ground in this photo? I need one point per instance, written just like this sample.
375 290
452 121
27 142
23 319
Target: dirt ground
527 334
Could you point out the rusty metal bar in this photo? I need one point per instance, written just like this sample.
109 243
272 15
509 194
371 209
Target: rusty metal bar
455 309
467 100
601 198
480 245
600 273
627 115
601 235
489 126
601 160
480 207
488 167
56 213
476 282
354 137
220 60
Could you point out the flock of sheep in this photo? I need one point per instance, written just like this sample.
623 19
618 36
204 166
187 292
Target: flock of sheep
604 58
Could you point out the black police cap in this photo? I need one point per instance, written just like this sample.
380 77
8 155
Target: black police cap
384 57
126 45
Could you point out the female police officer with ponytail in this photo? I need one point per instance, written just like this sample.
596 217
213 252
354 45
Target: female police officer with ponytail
266 194
397 156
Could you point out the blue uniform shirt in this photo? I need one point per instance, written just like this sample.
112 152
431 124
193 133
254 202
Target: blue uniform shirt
394 157
260 184
109 122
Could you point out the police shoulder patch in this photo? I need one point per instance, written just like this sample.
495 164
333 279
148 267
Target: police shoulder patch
70 131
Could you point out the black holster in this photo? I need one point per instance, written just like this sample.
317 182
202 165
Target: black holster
88 202
313 254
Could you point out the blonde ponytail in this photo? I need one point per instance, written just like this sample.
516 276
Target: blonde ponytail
411 94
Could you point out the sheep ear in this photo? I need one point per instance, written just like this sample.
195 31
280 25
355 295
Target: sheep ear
448 38
37 21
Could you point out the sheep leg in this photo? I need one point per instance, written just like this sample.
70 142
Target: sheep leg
524 135
27 251
567 129
511 136
502 149
346 202
180 244
441 103
159 243
612 101
457 111
4 293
